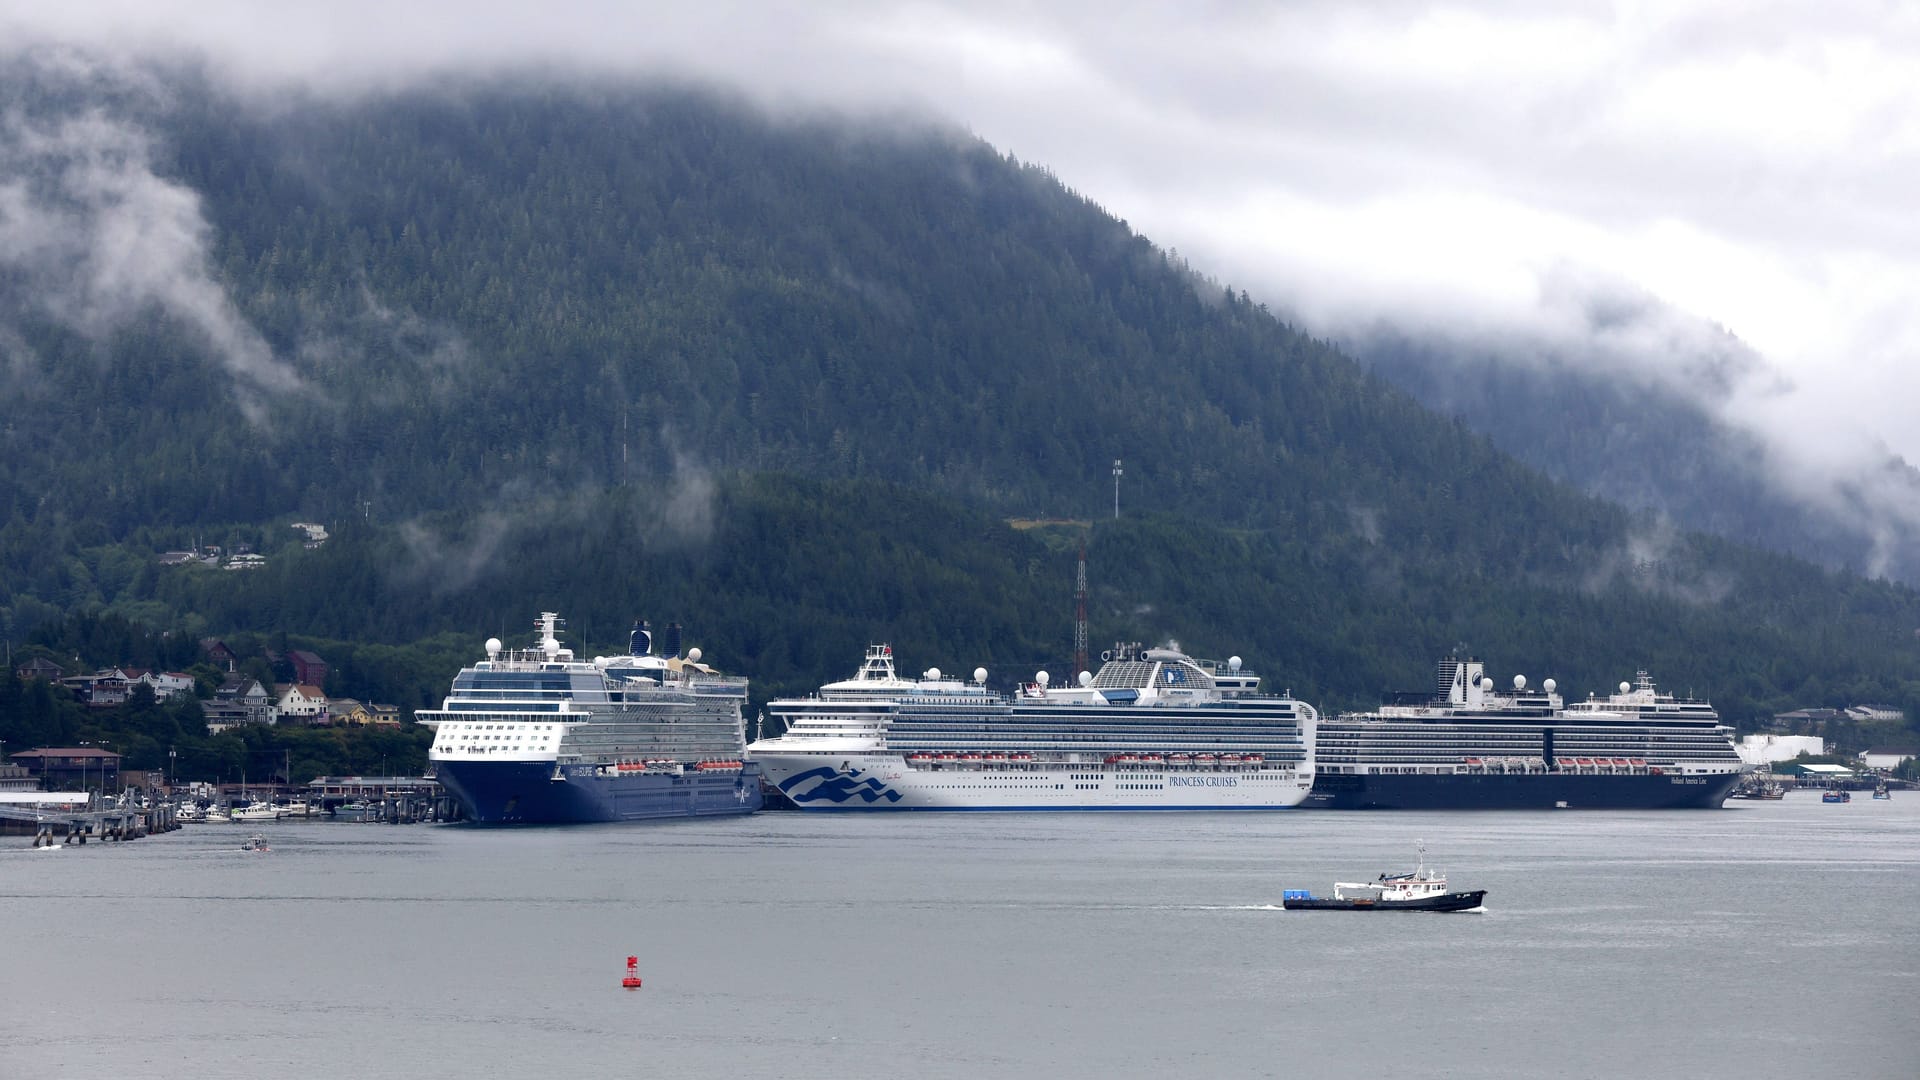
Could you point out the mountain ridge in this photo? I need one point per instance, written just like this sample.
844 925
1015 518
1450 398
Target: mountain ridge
526 343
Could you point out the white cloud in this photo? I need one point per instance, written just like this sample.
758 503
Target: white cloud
97 238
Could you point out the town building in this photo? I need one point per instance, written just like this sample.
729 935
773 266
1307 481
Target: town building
40 668
218 653
347 711
250 695
308 668
300 703
225 715
1888 758
167 684
73 768
17 778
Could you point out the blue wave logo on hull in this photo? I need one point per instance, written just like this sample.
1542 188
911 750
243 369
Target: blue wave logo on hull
836 787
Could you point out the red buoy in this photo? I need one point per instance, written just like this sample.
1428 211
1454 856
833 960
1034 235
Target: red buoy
632 981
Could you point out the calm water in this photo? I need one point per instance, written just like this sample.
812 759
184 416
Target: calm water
1765 940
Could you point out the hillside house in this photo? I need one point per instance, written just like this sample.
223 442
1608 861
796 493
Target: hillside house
166 684
40 668
249 695
308 668
218 653
300 703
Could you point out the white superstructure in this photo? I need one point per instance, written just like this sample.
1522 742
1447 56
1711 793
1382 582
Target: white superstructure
1154 730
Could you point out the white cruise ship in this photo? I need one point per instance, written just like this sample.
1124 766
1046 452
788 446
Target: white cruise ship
1154 730
538 736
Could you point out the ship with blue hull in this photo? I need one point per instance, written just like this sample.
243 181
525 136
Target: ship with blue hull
1474 747
538 736
1155 729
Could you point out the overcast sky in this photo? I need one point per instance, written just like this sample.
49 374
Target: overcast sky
1444 165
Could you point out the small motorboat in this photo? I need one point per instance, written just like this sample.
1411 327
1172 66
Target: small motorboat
1420 890
256 842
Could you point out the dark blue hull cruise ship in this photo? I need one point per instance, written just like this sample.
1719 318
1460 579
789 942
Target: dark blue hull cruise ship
1472 747
536 736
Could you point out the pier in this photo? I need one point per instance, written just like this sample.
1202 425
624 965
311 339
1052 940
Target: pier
391 800
80 816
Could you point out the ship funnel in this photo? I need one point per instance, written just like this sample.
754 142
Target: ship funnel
640 643
670 641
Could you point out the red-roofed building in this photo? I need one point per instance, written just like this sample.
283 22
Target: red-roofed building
72 768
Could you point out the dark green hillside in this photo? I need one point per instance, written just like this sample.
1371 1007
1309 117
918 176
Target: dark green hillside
615 352
1650 449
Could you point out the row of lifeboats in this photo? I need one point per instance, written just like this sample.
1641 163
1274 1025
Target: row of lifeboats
1596 763
969 758
1182 760
668 765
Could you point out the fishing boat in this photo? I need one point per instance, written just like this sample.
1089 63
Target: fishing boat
1420 890
1836 795
1880 791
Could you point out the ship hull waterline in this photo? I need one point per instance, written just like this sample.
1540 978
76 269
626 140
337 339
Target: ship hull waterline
1456 901
869 784
517 793
1531 791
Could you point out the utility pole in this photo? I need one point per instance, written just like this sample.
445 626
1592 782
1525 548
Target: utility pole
1116 489
1080 614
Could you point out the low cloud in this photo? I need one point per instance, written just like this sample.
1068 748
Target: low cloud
94 240
1655 558
1477 169
680 511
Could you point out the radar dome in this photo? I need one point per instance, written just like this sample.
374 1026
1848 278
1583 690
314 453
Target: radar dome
979 674
1233 663
1086 678
693 655
1624 687
493 645
933 673
1519 682
1042 678
1549 686
1486 682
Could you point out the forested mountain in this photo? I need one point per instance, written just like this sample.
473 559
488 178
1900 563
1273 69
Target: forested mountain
1651 446
620 351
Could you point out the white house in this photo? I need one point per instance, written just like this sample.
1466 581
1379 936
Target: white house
1767 749
167 683
300 703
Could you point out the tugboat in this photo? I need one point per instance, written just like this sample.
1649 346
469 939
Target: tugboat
1421 890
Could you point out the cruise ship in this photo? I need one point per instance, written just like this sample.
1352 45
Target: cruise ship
1155 729
538 736
1472 746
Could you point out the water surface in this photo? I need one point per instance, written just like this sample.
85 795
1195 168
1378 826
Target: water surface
1765 940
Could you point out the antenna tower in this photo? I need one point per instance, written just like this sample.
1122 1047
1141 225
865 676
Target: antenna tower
1080 614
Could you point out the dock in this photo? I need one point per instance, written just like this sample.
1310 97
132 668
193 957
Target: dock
80 816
